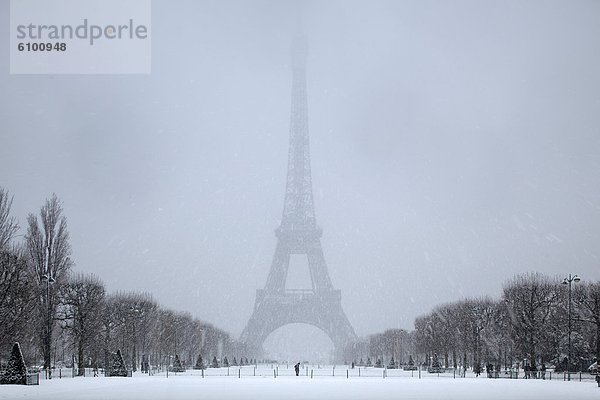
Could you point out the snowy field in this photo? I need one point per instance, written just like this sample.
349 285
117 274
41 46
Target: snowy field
217 385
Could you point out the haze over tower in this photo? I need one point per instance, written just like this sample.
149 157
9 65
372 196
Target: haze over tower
298 234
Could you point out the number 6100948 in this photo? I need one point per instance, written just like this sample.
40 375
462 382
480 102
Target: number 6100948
42 46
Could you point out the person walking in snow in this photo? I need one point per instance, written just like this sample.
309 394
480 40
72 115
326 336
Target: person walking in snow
297 369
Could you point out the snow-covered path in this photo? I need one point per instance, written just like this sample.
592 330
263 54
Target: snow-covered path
185 387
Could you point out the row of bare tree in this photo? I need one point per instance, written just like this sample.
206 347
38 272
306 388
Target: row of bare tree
61 317
528 325
392 347
146 333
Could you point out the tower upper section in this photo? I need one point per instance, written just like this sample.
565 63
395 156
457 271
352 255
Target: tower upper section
298 209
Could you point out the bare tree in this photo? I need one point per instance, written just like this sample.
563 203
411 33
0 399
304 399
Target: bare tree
530 300
48 249
500 333
109 324
81 299
451 340
15 286
448 343
8 223
476 316
16 299
131 316
587 298
430 335
395 345
464 326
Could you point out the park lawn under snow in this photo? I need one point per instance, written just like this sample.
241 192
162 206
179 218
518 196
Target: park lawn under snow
193 386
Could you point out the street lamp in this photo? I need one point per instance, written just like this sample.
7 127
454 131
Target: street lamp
568 281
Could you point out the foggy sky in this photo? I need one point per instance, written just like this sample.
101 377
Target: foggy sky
454 144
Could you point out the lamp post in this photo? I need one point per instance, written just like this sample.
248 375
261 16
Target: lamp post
568 281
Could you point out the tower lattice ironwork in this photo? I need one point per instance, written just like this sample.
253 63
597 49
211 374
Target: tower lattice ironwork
298 233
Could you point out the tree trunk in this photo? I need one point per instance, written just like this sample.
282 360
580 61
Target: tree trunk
106 344
476 362
80 358
532 355
105 359
47 348
598 343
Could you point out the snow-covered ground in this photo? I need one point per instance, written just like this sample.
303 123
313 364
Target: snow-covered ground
217 385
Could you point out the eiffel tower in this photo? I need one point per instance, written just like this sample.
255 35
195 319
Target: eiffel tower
320 306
